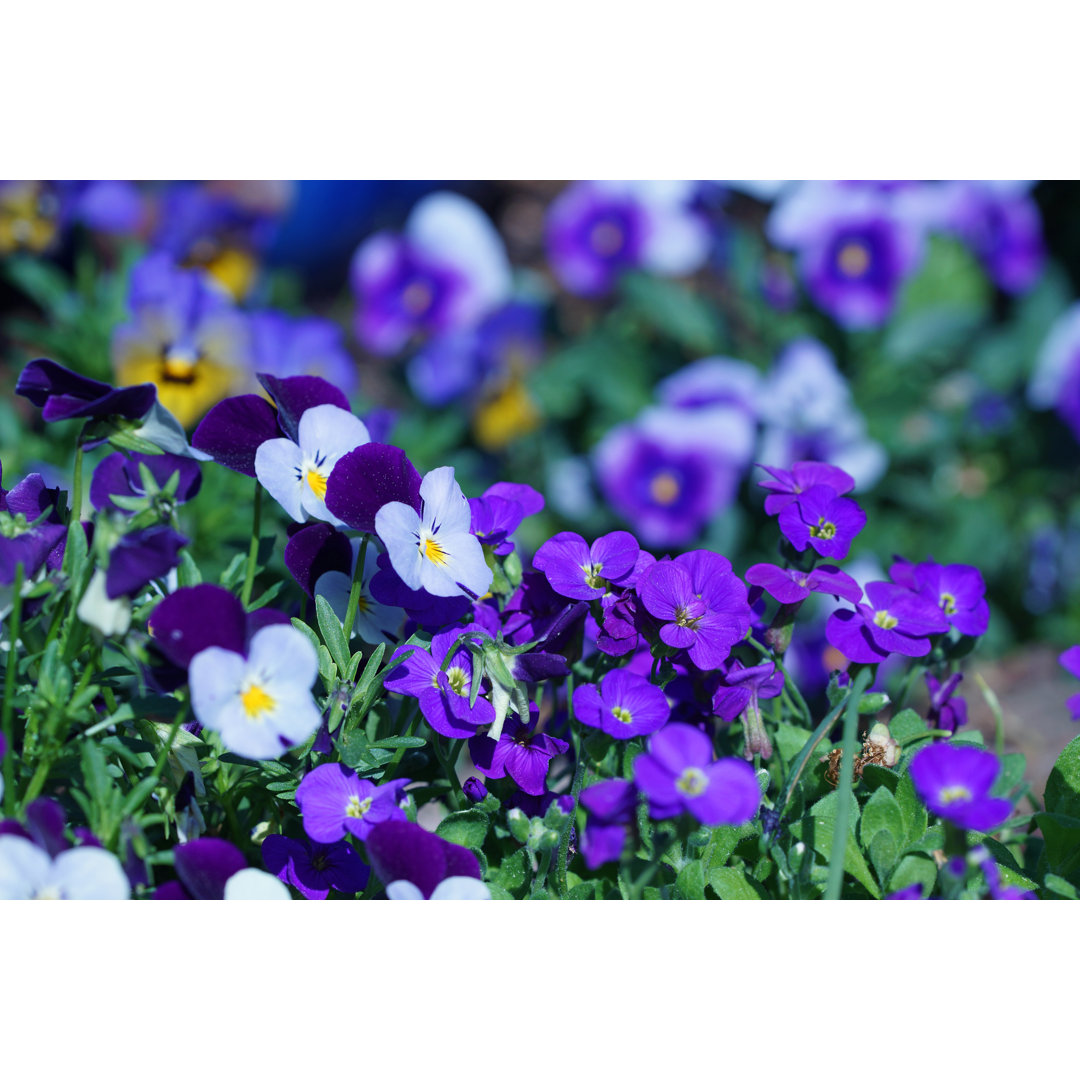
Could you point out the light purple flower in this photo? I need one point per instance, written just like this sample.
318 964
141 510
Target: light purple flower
610 805
624 705
284 346
825 521
82 873
335 801
786 485
955 781
895 620
792 586
521 752
586 572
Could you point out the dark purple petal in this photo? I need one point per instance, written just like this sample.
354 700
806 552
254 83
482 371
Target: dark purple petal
62 394
296 394
313 550
205 865
140 557
197 617
402 851
234 429
366 479
45 820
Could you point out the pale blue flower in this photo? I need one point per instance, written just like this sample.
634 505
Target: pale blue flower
81 873
451 888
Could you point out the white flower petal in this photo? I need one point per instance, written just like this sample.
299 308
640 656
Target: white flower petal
97 609
397 525
277 465
445 504
331 432
461 888
216 677
280 653
403 890
255 884
24 868
89 873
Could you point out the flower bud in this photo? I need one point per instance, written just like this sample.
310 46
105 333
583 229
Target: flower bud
474 789
518 824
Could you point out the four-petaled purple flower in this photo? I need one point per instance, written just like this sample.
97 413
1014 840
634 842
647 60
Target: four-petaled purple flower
335 801
792 586
313 868
583 572
957 589
522 753
895 620
955 781
624 705
825 521
786 485
610 805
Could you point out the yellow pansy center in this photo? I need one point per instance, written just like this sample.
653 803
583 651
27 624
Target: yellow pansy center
256 702
178 367
317 482
433 551
692 781
853 259
885 620
664 488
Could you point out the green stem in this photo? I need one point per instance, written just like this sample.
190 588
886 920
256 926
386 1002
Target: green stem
354 592
803 756
253 546
159 765
14 626
76 499
796 698
843 791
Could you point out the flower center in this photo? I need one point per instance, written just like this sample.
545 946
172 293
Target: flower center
823 530
417 297
606 238
317 482
621 714
684 618
433 551
664 488
356 807
256 701
458 678
592 576
320 861
954 793
948 603
885 620
178 367
853 259
692 782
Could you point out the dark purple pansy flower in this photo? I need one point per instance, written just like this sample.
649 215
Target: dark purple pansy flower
313 868
234 429
824 520
700 603
957 589
584 572
443 694
203 867
31 547
119 474
955 781
402 851
313 550
335 801
610 806
786 485
677 773
536 612
500 510
1070 661
793 586
946 713
62 394
522 753
624 705
139 557
426 610
895 620
366 479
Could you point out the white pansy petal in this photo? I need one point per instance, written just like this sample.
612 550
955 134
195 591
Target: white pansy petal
295 717
334 587
277 465
281 653
24 868
403 890
465 563
89 873
378 623
677 243
331 431
99 610
249 737
255 884
397 525
215 677
461 888
444 502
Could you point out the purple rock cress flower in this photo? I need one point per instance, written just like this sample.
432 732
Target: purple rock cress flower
296 473
793 586
957 589
738 696
786 485
500 510
402 851
521 752
313 868
955 781
1070 661
586 572
436 550
624 705
610 805
895 620
446 272
260 704
335 801
825 521
677 773
946 712
700 603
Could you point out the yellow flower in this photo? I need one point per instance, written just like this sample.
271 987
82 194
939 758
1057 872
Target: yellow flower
28 217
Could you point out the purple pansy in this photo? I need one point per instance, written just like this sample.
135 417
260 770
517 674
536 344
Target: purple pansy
426 610
825 521
442 690
586 572
445 272
284 346
792 586
138 558
677 773
368 478
955 781
335 801
786 485
896 620
403 851
700 603
521 752
62 394
313 868
203 868
624 705
610 805
120 474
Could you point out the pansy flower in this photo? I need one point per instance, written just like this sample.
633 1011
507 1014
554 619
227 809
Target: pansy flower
677 773
825 521
296 472
214 869
586 572
786 485
955 782
31 531
261 703
87 872
184 337
62 394
374 622
335 801
700 603
313 868
283 346
624 705
402 851
895 620
443 687
522 752
120 474
435 550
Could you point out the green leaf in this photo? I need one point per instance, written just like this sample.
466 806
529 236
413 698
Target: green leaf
392 742
1061 835
511 874
731 883
816 829
188 572
306 630
673 310
912 811
333 634
690 884
1012 773
790 740
1060 887
468 828
724 840
907 725
584 890
883 851
1063 785
912 869
872 703
881 813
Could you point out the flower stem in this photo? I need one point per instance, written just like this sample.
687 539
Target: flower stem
253 547
357 585
843 791
14 626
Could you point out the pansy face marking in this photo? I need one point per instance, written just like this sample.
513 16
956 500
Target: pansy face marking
256 701
853 258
